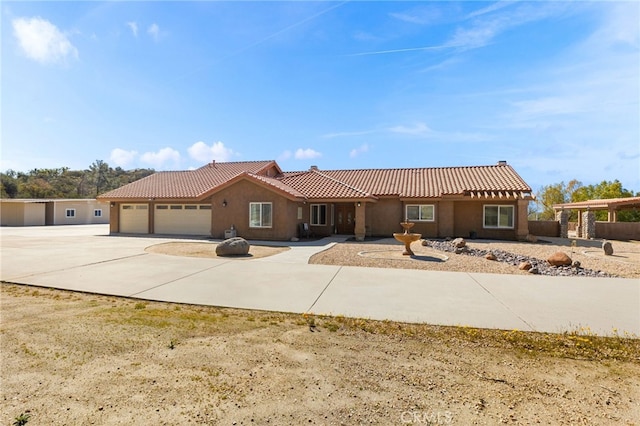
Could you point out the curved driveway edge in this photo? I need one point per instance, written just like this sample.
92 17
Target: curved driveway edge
84 258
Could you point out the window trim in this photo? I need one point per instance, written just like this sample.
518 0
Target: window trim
70 213
319 207
500 207
433 212
261 204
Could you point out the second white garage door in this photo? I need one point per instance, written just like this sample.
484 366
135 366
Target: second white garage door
183 219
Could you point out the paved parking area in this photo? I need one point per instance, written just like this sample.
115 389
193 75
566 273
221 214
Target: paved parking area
85 258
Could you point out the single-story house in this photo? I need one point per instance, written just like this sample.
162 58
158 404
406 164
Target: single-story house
41 212
257 200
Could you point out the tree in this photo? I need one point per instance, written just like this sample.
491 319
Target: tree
558 193
606 190
8 184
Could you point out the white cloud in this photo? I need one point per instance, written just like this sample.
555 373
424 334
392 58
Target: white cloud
419 15
204 153
306 154
154 31
164 157
42 41
360 150
122 158
134 28
419 129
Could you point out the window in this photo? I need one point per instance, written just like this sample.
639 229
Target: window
162 207
420 212
70 213
189 207
498 216
175 207
205 207
318 214
97 213
260 215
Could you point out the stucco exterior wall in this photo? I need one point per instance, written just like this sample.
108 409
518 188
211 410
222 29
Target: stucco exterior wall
468 217
34 214
84 212
11 214
383 218
236 212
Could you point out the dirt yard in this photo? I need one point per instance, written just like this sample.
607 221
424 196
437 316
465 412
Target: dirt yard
79 359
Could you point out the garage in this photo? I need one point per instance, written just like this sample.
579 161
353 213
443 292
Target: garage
183 219
134 218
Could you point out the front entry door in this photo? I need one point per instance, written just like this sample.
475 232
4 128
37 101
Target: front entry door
345 218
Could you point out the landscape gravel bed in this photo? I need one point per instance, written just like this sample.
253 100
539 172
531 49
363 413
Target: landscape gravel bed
625 262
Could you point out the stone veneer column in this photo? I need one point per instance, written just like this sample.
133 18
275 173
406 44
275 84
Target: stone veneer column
563 217
588 224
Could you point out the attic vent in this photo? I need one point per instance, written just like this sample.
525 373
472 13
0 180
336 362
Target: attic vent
502 163
313 168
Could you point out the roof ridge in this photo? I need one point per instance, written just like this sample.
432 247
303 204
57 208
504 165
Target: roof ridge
366 194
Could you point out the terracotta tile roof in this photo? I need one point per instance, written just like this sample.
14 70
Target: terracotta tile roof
186 184
603 204
476 181
409 183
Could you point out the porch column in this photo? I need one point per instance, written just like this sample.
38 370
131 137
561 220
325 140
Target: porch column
589 219
523 220
579 225
360 229
563 217
612 216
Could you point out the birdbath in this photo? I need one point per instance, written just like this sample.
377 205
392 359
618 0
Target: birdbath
407 237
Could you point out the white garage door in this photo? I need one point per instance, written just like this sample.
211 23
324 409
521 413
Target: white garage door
183 219
134 218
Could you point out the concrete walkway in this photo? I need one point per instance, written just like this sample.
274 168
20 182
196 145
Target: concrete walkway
85 258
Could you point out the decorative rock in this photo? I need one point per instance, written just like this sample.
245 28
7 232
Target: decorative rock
459 242
576 264
531 238
295 239
534 271
559 259
235 246
490 256
525 266
607 247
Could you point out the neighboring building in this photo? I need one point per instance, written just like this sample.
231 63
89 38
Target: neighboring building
259 201
41 212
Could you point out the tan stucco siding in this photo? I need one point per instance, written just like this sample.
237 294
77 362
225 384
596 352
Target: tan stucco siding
383 218
236 212
84 212
469 216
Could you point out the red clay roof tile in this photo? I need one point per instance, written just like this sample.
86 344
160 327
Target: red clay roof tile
330 184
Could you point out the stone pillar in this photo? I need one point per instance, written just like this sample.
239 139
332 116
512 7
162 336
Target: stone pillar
588 224
563 217
360 228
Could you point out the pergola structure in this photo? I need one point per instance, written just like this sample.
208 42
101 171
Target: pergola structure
612 205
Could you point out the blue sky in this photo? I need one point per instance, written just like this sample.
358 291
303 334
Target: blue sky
550 87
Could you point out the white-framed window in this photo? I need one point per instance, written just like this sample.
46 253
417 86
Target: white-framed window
498 216
260 215
420 212
70 213
97 213
318 214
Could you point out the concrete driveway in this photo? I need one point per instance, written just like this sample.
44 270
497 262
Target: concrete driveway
85 258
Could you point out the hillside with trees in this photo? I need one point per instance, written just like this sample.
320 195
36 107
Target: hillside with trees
65 183
574 191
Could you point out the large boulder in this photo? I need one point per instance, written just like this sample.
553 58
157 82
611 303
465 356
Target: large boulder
459 242
559 259
607 247
235 246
